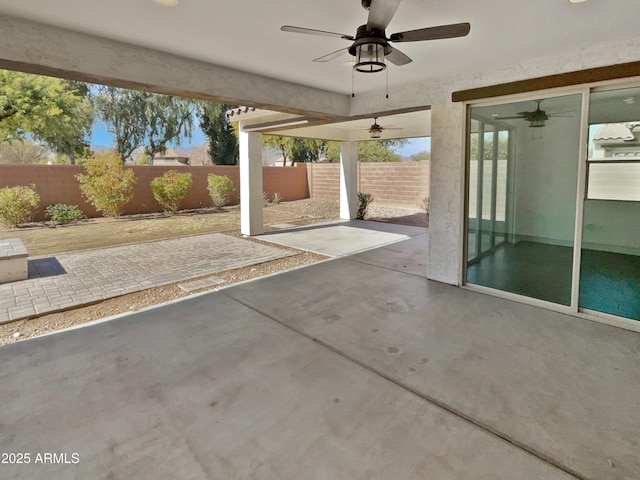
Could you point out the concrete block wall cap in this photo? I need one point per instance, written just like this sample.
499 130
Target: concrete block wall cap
12 248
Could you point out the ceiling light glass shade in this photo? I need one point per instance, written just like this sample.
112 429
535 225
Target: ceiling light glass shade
370 58
167 3
536 123
375 132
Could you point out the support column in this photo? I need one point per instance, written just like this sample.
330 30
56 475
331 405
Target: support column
251 201
446 222
348 180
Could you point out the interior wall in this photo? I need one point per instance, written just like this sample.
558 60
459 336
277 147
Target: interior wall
612 226
546 175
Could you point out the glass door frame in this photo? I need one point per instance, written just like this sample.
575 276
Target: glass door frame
496 129
584 91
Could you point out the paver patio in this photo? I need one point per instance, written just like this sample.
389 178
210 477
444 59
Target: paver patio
73 279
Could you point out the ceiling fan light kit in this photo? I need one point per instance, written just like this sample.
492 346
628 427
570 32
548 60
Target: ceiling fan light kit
369 58
375 130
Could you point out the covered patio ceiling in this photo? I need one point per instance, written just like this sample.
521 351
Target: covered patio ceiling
244 37
394 126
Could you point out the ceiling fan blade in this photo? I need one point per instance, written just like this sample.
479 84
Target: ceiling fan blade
381 12
332 55
311 31
432 33
398 58
519 117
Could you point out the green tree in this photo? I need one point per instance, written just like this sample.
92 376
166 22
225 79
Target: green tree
424 155
306 150
146 119
369 151
55 112
376 151
487 154
168 119
223 139
296 149
123 111
71 129
281 144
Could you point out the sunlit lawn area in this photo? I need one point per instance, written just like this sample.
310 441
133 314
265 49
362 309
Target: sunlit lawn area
42 239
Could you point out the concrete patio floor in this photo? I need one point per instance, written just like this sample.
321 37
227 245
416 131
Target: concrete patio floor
354 368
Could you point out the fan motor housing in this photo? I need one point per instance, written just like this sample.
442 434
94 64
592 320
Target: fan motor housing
365 36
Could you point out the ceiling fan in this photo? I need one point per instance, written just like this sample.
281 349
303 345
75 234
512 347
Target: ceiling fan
536 118
371 45
375 130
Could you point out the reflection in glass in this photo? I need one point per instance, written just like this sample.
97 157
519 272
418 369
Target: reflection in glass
610 256
521 224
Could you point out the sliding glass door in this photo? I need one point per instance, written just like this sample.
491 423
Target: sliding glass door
523 177
610 257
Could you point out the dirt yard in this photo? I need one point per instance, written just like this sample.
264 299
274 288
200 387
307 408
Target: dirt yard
42 239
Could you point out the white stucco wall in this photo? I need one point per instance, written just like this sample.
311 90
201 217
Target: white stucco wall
446 207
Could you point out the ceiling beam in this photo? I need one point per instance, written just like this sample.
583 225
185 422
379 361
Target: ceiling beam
42 49
580 77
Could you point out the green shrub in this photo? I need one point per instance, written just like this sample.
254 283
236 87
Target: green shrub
363 202
62 213
17 204
170 189
107 185
425 204
219 186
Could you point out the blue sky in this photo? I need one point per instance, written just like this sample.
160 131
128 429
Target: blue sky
101 137
415 145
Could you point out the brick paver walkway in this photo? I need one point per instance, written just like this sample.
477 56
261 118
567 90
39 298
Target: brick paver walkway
67 280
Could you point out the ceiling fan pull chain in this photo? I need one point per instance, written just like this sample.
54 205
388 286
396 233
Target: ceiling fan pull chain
387 94
353 83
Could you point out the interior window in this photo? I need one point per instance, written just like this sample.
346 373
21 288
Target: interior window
614 160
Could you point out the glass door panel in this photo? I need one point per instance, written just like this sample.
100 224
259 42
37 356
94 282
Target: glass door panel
526 187
487 182
610 256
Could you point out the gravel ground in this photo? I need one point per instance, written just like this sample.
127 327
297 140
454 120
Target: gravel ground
306 211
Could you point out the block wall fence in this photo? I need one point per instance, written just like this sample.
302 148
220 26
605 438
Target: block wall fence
58 184
398 184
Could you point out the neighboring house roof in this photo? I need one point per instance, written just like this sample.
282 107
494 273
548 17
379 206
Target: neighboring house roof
171 157
239 111
171 153
613 131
